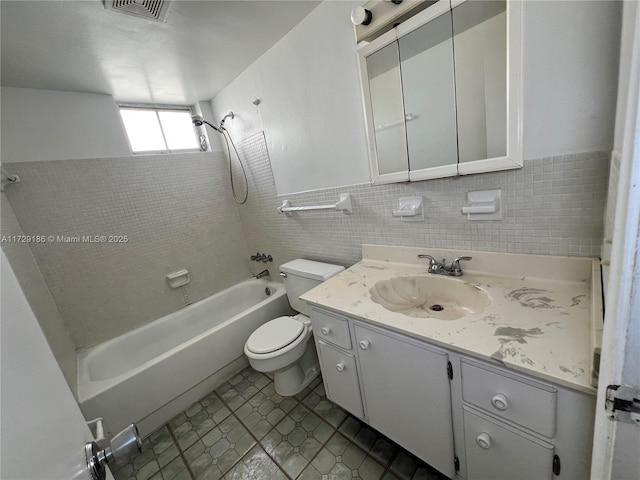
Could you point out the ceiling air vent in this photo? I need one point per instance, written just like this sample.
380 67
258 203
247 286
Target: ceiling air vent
149 9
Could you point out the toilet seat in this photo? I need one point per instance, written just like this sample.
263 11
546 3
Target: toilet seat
275 335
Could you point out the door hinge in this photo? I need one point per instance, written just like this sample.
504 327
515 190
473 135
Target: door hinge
450 370
456 463
556 465
623 403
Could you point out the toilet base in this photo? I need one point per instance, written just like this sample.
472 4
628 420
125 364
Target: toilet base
293 379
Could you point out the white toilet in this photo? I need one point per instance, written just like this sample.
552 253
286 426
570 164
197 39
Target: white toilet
284 346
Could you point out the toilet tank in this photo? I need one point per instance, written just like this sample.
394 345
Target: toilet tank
302 276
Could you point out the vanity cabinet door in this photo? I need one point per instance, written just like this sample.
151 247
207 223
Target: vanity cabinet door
340 378
408 397
496 451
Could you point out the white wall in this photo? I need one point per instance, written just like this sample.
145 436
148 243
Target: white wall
310 103
41 125
571 51
48 125
312 115
43 431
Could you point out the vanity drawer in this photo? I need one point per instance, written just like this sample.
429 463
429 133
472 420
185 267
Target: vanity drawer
529 404
331 328
496 451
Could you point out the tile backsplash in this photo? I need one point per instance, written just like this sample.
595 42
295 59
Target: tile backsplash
176 212
552 206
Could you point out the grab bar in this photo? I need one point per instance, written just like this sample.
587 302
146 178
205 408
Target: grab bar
343 205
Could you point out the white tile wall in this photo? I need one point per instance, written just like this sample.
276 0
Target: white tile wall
177 211
553 206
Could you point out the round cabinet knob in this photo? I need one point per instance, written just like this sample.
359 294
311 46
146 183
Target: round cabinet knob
484 441
364 344
325 330
499 401
340 367
361 16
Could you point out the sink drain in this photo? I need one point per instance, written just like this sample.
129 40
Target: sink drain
437 308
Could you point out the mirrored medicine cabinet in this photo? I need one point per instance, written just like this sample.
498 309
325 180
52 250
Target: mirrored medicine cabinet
442 92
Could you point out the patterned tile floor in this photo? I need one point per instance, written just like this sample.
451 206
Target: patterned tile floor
244 430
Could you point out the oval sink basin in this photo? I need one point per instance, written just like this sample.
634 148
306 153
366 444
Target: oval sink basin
433 297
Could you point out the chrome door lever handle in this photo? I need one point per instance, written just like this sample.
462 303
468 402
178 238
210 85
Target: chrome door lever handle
122 447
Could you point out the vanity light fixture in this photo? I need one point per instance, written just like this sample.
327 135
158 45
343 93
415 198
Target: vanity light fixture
361 16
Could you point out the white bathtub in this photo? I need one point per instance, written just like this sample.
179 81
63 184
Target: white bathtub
154 372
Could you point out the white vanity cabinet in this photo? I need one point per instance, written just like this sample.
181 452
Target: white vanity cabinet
404 384
468 418
407 393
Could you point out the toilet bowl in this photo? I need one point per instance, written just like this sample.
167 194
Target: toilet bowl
284 346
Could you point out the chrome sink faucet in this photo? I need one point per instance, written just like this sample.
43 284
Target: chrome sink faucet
440 268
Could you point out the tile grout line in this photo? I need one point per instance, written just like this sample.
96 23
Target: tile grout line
180 452
298 402
336 430
252 435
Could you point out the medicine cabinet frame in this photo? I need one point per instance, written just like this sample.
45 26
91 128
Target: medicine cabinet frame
514 101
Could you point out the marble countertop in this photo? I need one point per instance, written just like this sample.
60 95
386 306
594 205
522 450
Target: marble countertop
535 325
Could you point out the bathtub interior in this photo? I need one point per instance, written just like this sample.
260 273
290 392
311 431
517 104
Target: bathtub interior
111 387
135 349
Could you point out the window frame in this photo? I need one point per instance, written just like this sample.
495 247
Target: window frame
156 109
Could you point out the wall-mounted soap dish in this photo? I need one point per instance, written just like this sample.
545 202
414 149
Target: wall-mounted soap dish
178 279
483 205
411 209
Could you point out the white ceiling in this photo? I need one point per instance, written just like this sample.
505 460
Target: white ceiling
77 45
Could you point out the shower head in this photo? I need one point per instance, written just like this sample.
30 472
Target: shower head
198 121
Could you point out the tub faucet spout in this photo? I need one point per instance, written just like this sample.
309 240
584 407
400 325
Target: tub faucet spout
264 273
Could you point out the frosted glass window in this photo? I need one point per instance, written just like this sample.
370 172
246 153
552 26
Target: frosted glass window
178 130
143 130
158 131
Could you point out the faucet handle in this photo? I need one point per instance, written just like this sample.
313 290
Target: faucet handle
433 263
455 265
424 255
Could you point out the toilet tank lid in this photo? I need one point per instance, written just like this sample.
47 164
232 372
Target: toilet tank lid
310 269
